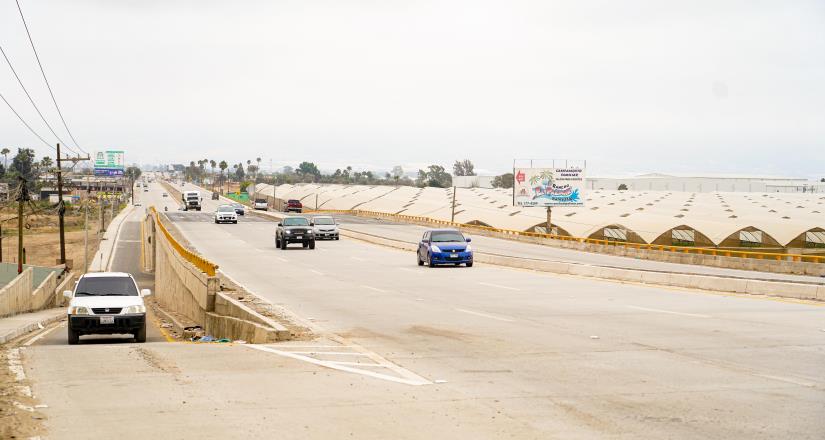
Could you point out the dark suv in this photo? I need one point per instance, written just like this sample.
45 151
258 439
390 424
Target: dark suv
295 230
294 205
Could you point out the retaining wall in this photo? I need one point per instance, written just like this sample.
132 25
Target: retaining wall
183 288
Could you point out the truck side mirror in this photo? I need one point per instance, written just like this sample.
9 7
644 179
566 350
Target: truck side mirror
145 292
67 294
280 224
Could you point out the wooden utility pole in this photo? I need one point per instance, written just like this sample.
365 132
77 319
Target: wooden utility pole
61 205
22 198
549 223
61 209
86 237
452 218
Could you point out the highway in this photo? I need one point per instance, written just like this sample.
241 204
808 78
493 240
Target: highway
408 352
559 356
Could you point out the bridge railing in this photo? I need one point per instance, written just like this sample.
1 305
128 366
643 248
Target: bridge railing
639 246
201 263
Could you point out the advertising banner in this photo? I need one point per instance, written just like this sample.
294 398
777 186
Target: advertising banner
548 187
109 163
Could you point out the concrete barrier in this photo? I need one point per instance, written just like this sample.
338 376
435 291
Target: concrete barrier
691 281
183 288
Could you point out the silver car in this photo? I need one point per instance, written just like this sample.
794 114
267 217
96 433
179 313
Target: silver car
326 227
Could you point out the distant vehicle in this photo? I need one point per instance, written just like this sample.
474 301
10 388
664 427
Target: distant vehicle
444 246
216 196
260 204
325 227
165 195
106 303
294 205
295 230
191 200
145 189
239 209
226 214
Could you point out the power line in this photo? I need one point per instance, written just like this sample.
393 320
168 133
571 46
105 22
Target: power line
26 123
31 100
45 79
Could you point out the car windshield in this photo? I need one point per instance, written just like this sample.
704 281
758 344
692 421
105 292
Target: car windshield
446 236
260 201
226 209
295 221
237 205
293 201
106 286
324 221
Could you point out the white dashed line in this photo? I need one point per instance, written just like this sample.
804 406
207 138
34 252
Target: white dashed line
317 272
498 286
694 315
283 260
375 289
358 259
485 315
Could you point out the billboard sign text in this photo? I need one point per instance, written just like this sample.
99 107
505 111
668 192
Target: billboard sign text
548 187
109 163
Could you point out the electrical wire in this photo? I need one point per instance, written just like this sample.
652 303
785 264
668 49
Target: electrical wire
26 123
28 95
42 71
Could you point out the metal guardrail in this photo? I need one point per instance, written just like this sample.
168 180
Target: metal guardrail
201 263
644 246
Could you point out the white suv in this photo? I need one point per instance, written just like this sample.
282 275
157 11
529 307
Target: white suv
226 214
106 303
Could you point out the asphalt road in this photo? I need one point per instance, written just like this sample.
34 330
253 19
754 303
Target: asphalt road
534 355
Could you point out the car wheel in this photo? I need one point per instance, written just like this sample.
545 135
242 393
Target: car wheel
418 257
337 237
431 262
312 244
140 335
283 244
216 222
469 264
305 244
235 222
277 242
74 337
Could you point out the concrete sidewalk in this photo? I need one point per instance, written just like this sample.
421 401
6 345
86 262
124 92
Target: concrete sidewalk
15 326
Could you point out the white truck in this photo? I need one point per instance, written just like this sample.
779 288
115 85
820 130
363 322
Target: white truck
191 200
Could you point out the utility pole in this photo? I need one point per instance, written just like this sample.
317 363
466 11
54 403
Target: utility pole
61 209
452 218
549 224
22 198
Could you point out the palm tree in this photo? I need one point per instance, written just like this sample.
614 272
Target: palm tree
5 152
258 168
223 166
212 163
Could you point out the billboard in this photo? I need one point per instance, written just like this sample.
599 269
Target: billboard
109 163
548 187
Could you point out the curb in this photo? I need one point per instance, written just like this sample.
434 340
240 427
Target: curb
28 328
701 282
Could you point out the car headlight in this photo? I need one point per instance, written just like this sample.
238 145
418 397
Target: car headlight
79 310
287 232
435 248
138 308
468 249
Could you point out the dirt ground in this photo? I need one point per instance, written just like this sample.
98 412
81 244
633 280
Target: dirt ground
19 415
41 239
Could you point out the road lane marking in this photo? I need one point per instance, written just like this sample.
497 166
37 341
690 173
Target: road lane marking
43 334
375 289
317 272
694 315
407 269
358 259
485 315
414 380
356 364
498 286
337 353
282 259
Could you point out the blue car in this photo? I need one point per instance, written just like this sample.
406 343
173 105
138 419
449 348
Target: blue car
444 246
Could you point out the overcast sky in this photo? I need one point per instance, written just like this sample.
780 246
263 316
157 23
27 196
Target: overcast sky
631 86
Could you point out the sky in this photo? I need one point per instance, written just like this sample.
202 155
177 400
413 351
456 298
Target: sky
633 86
